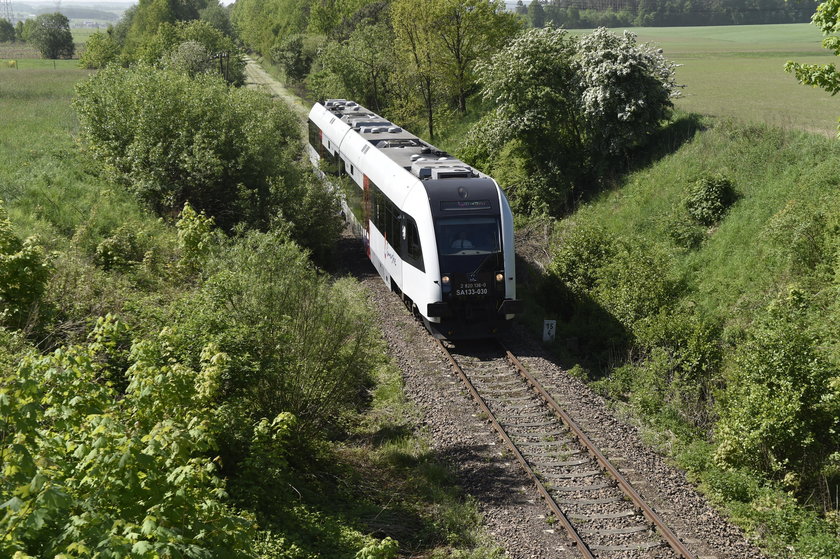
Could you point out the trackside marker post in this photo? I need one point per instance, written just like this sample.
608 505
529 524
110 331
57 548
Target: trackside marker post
549 329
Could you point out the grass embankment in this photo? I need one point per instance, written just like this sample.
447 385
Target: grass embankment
378 480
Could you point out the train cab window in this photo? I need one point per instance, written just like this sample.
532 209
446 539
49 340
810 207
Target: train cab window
468 235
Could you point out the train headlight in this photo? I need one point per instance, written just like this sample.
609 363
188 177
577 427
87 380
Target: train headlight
500 277
444 280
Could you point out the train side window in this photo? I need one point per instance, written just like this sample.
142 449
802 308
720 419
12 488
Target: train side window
315 136
414 251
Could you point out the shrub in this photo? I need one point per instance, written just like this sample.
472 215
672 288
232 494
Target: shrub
195 238
635 283
122 250
580 254
709 198
293 57
125 474
191 58
296 340
683 230
779 412
101 49
24 272
174 139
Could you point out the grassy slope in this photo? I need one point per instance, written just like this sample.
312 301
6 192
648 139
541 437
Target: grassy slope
740 262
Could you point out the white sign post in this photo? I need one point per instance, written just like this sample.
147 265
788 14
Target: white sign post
549 329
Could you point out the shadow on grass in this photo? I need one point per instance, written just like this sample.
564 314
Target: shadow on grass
586 333
610 174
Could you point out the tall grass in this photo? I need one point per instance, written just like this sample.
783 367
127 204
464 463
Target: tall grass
46 185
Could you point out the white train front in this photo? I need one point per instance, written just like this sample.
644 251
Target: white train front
439 233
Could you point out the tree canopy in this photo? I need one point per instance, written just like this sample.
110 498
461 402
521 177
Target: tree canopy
7 31
567 106
51 35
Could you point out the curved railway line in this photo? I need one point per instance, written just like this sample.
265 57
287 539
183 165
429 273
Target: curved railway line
597 507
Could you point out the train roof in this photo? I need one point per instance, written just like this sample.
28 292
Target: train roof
420 158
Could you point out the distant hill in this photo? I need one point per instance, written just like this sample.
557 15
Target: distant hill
73 12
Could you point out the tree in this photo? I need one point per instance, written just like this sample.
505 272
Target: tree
218 17
7 31
51 35
826 76
536 13
364 64
567 107
627 90
469 30
173 139
414 31
100 50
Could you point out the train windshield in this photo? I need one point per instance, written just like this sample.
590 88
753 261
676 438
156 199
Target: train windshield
471 235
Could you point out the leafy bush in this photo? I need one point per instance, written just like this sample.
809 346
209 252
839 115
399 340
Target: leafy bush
709 198
780 412
195 238
123 249
174 139
101 49
88 468
292 57
683 230
204 43
580 254
635 282
24 272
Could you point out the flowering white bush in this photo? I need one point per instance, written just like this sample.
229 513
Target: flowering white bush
627 88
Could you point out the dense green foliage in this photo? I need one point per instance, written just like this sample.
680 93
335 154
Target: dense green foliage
566 109
89 468
172 138
23 274
203 422
101 49
826 76
7 31
413 62
50 34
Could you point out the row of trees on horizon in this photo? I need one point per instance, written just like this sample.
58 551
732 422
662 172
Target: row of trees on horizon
663 13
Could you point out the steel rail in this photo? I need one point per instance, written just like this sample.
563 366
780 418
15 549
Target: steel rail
664 531
577 541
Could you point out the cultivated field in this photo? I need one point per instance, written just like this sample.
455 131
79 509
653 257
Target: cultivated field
737 71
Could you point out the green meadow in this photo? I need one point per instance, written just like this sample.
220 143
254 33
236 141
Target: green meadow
738 71
46 185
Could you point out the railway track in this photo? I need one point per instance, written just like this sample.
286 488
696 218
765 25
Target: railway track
597 507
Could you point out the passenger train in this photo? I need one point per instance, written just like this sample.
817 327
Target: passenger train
439 233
